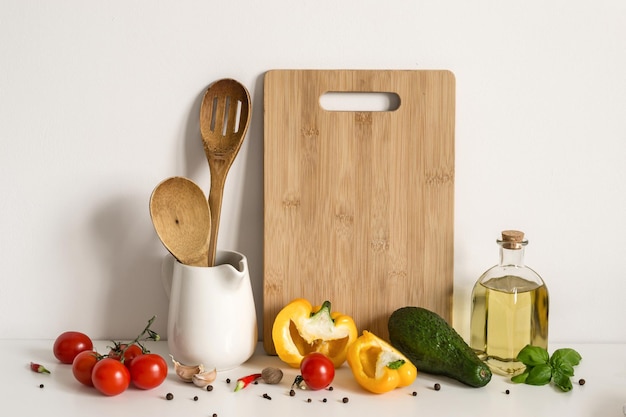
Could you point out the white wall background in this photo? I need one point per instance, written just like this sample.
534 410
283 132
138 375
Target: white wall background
99 101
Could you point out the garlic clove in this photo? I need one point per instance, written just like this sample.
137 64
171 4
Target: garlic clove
202 379
186 372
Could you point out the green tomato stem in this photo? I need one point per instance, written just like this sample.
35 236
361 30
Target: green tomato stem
152 335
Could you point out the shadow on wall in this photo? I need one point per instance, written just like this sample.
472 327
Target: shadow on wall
126 244
129 251
250 238
195 166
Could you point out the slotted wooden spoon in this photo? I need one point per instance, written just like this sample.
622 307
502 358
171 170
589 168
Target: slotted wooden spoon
224 117
182 219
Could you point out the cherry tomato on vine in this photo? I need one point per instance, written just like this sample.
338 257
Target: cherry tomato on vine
148 371
83 365
110 377
129 354
70 344
317 370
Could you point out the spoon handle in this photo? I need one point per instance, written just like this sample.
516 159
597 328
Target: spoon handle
215 205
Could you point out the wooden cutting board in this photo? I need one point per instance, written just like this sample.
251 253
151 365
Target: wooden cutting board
359 205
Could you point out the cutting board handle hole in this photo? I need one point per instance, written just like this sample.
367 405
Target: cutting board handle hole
359 101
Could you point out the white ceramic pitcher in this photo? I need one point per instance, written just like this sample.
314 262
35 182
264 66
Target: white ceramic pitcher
212 317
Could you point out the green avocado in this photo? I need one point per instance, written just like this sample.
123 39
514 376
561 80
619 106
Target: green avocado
435 347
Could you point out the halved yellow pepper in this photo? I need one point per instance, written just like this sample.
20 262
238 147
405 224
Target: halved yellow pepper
377 366
300 329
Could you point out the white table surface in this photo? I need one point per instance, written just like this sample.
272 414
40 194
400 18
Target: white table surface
603 367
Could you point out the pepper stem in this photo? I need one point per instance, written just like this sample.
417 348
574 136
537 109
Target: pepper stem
396 364
324 310
298 382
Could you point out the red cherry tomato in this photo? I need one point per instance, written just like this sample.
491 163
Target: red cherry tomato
70 344
317 370
83 366
110 377
129 354
148 371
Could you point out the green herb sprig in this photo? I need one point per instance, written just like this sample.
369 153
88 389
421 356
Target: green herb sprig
541 368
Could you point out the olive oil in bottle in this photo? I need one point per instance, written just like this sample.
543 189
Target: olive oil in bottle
509 308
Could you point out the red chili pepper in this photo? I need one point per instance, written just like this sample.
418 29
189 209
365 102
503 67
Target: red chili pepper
35 367
246 380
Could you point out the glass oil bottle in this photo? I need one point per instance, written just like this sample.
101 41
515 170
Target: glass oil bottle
509 308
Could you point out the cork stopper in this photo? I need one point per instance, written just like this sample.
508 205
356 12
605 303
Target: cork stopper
513 239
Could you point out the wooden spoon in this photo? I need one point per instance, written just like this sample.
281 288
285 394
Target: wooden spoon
224 118
182 219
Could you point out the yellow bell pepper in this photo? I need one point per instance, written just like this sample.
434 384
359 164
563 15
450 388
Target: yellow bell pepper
377 366
300 329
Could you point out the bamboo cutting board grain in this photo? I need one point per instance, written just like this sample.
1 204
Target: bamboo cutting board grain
359 205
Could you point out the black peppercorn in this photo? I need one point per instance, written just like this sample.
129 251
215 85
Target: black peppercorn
330 388
228 380
414 393
209 387
507 392
169 396
40 385
324 400
308 400
292 393
195 398
437 387
345 400
581 381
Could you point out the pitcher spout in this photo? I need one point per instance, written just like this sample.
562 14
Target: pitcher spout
233 266
232 258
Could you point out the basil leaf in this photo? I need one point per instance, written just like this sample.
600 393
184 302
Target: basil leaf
541 368
539 375
566 355
533 356
563 368
520 378
562 381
